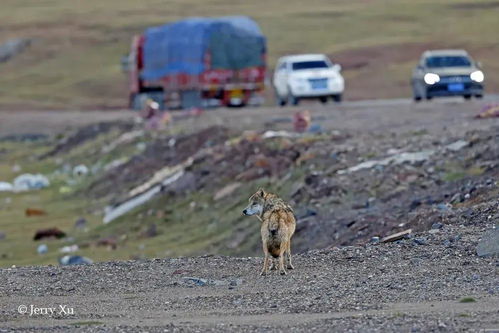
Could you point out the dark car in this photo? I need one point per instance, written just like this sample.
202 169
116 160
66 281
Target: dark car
447 73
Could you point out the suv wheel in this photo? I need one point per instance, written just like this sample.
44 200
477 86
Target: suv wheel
323 99
337 98
292 100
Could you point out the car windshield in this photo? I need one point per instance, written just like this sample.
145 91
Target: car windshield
310 65
448 61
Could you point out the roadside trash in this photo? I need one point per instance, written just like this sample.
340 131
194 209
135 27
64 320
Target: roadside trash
49 233
69 248
34 212
42 249
16 168
301 121
195 281
488 246
74 260
315 129
458 145
110 243
28 181
80 170
6 187
80 223
2 235
397 236
64 189
226 191
278 134
489 111
395 159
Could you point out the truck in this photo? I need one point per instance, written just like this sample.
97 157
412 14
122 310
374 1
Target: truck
198 62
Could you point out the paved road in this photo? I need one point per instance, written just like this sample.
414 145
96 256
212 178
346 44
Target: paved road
395 114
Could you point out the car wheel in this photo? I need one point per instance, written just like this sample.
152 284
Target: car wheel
323 99
338 98
479 96
417 98
467 97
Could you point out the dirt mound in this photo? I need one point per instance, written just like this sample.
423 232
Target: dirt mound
162 152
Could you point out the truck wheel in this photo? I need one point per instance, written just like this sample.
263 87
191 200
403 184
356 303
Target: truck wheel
338 98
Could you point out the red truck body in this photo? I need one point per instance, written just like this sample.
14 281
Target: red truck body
213 87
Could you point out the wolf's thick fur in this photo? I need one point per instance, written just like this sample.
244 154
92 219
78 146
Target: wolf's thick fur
278 226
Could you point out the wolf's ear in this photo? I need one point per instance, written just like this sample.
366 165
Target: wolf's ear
261 192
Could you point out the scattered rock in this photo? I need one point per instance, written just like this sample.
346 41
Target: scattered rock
488 246
420 241
437 225
80 223
12 47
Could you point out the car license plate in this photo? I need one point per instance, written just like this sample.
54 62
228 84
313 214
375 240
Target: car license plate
455 87
318 84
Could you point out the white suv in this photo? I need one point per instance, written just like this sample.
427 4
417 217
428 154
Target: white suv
307 76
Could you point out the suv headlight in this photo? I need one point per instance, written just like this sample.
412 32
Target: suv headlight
431 78
477 76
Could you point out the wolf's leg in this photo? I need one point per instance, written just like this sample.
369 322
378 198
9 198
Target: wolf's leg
282 271
273 264
265 268
290 265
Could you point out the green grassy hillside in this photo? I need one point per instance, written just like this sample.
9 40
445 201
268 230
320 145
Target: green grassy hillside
74 59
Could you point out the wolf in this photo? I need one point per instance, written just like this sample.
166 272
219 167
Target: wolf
278 226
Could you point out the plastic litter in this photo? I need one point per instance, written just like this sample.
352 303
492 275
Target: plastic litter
80 170
75 260
27 181
6 187
42 249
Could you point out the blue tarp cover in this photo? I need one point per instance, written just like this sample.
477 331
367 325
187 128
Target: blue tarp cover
234 42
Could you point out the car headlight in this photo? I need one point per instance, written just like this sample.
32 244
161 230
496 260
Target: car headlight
431 78
477 76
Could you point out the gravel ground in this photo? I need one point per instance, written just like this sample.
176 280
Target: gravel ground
430 282
390 287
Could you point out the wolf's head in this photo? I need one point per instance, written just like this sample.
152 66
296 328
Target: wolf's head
256 203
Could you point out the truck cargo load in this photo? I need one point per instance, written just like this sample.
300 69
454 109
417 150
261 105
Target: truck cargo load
199 62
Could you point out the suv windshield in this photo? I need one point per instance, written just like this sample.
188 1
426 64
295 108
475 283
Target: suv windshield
309 65
448 61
